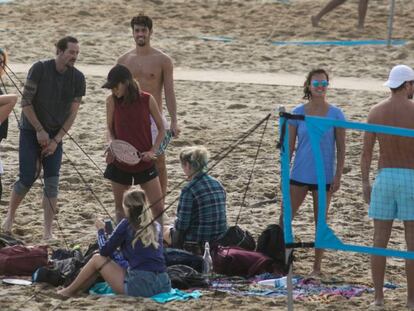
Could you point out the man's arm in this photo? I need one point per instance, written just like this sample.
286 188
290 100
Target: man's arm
156 115
29 93
80 87
366 158
69 121
168 79
51 147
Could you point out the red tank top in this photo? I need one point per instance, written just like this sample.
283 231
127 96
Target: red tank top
132 124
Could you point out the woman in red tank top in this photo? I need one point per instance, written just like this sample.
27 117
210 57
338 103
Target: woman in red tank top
128 112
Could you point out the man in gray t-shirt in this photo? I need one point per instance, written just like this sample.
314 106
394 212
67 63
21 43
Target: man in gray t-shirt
50 102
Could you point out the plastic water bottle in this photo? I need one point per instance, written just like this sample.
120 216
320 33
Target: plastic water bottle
281 282
108 227
207 261
277 283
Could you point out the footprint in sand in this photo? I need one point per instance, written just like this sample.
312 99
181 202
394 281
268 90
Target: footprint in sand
236 106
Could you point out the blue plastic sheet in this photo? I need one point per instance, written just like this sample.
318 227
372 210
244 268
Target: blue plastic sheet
341 43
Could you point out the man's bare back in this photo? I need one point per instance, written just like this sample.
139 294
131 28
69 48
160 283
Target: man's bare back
148 70
392 192
395 151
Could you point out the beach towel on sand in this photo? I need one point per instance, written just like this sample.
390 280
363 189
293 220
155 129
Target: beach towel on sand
103 288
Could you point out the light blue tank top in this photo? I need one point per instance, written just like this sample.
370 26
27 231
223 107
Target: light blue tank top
304 164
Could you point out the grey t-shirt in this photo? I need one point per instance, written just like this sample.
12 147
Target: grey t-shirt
55 94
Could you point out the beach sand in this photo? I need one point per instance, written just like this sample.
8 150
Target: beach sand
210 113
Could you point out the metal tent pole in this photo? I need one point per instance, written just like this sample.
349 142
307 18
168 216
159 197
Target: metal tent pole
390 22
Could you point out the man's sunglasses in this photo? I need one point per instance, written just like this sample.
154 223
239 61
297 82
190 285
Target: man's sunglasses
316 83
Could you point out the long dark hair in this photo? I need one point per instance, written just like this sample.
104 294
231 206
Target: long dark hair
306 86
132 92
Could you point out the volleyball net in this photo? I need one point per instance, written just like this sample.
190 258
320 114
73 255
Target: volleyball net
349 223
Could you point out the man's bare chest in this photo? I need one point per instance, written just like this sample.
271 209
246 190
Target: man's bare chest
147 71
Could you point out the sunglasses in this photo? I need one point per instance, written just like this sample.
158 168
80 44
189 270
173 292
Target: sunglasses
323 83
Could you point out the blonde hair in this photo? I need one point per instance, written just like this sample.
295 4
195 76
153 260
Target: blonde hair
140 218
197 156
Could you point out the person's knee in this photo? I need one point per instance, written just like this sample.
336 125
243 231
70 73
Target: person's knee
51 187
380 239
21 188
97 256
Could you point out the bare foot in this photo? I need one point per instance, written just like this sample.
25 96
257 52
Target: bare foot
49 239
377 303
314 21
48 236
360 28
7 226
316 274
64 292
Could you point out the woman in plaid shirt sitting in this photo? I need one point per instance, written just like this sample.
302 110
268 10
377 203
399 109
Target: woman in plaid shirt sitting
201 213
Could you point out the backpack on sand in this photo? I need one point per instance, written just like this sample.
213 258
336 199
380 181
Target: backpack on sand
8 240
236 236
185 277
271 243
234 260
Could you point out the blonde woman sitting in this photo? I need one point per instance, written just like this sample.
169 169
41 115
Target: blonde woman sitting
140 241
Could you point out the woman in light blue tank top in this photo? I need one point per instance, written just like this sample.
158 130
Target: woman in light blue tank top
303 173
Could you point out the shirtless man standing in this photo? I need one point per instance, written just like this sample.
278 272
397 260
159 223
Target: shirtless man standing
392 195
153 69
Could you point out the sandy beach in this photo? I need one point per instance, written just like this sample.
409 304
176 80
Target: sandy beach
214 114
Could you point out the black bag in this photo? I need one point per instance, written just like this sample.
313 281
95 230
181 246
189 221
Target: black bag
48 275
8 240
175 256
236 236
271 243
185 277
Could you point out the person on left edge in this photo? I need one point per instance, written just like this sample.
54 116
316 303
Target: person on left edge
7 103
51 98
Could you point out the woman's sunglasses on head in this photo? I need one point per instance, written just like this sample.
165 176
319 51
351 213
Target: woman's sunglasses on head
323 83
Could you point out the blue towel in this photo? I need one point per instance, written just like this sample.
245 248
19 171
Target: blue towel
342 43
176 294
103 289
216 38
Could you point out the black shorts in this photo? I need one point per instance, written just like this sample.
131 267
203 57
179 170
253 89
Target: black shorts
311 187
125 178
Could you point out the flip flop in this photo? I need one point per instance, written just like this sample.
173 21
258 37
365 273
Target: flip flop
11 281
